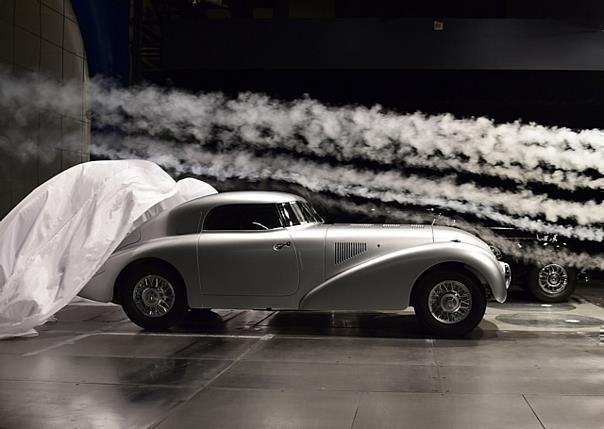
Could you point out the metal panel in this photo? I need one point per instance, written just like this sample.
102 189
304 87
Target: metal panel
348 250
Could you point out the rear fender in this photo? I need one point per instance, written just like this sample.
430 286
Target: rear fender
180 252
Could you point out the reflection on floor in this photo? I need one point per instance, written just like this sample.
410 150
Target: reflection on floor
528 365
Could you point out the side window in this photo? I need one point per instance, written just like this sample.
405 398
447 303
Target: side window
289 215
242 217
223 218
298 211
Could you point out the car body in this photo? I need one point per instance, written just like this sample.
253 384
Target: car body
271 250
549 280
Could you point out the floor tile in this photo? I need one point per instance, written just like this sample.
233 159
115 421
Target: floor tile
558 352
142 345
346 350
427 410
251 408
112 370
322 376
522 380
217 348
561 412
21 345
60 405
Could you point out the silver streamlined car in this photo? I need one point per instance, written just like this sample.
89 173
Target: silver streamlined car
271 250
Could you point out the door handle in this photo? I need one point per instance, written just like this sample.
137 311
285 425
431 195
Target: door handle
279 246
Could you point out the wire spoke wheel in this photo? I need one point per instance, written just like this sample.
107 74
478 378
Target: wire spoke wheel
552 279
153 296
450 302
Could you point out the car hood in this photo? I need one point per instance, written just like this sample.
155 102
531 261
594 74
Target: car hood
404 235
445 233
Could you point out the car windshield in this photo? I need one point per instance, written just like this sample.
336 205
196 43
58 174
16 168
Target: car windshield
309 212
298 212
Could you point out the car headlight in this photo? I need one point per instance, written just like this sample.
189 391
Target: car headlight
496 251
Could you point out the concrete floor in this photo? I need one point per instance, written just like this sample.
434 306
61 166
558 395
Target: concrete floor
527 366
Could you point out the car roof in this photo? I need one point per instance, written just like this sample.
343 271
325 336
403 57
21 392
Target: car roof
184 218
242 197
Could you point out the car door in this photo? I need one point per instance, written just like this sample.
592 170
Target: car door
244 250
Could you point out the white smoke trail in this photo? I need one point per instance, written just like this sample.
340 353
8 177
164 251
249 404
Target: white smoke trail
521 152
21 145
387 187
517 151
567 180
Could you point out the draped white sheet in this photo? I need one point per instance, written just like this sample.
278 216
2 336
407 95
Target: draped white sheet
55 240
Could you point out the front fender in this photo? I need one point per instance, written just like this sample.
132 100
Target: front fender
385 282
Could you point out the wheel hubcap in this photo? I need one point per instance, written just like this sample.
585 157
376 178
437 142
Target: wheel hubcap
552 279
153 296
450 302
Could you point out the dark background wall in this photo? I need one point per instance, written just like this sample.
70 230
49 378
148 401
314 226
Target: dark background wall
538 60
41 37
534 60
379 44
105 28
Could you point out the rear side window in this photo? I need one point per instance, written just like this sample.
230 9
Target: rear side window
242 217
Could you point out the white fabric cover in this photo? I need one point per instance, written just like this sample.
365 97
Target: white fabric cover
57 238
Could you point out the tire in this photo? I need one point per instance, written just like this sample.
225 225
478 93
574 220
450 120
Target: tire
552 283
433 316
145 287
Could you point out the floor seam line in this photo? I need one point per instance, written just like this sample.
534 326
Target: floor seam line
356 411
65 342
97 383
178 335
533 410
440 383
183 348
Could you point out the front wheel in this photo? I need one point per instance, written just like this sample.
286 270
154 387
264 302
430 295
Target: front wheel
153 297
449 303
552 282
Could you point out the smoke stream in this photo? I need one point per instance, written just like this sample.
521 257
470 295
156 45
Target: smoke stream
386 187
524 153
347 132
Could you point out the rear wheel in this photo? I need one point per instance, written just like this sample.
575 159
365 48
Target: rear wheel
449 303
552 282
153 296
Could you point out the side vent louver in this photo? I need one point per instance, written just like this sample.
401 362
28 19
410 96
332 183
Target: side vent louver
345 251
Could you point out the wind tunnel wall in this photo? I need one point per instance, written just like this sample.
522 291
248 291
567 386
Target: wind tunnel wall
40 36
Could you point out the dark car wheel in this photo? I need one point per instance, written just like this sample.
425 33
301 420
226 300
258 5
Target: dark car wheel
449 303
153 297
552 282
